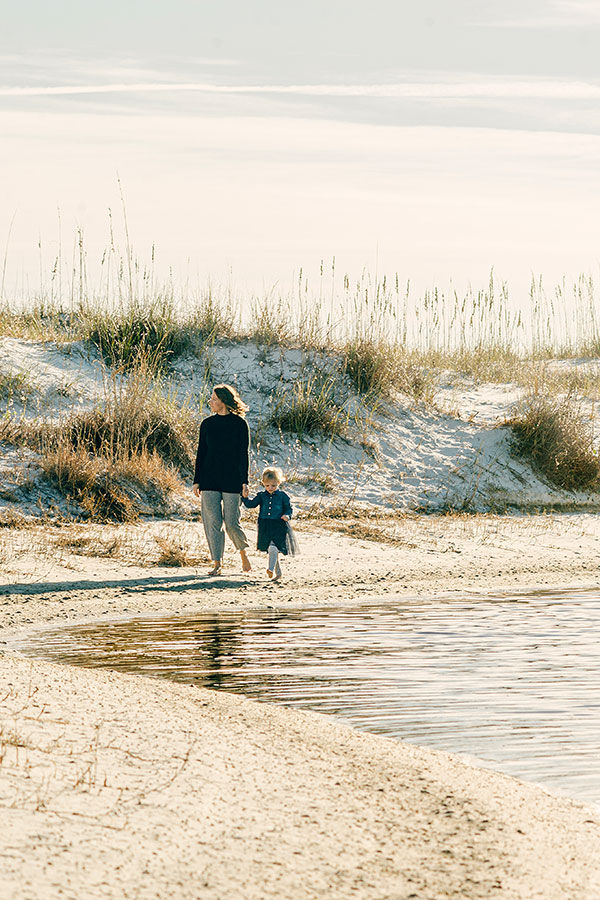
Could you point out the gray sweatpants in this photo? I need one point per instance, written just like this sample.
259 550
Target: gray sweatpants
218 509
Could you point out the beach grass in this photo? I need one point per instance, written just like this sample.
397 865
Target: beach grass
128 307
558 441
129 453
309 408
364 342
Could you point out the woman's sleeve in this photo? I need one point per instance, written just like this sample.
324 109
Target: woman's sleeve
244 451
200 454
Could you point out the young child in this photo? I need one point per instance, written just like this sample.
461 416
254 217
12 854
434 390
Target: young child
274 514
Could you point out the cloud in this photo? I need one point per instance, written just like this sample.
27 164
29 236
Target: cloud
582 12
263 196
556 14
540 89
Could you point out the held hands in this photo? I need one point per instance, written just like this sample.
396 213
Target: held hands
245 491
196 491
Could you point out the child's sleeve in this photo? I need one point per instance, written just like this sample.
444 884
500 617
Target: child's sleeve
287 505
251 503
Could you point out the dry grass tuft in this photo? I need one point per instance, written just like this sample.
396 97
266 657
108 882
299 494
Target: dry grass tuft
485 363
360 523
40 321
11 518
121 459
91 482
364 531
115 489
142 332
141 544
89 545
320 513
15 386
378 369
558 443
173 554
310 409
322 480
129 428
213 320
370 366
271 323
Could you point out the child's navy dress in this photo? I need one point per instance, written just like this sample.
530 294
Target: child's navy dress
271 527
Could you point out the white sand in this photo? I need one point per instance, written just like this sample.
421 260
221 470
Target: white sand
118 786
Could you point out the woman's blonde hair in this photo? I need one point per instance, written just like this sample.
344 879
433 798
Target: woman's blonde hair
232 400
273 473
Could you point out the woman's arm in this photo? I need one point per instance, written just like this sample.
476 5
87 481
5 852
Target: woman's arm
250 504
244 452
200 454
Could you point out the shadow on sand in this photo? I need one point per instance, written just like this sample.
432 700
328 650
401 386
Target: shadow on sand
165 582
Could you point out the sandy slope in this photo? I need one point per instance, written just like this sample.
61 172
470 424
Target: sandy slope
117 786
454 453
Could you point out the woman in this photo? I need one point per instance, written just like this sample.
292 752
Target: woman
221 473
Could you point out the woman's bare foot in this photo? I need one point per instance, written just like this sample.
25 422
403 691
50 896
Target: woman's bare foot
246 567
216 569
277 577
269 573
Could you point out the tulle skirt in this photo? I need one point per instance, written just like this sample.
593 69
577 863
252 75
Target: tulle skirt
280 533
292 541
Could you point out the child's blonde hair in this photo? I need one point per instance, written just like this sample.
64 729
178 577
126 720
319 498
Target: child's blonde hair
273 473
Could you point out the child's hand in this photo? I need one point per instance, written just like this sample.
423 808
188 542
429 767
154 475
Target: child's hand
245 491
286 518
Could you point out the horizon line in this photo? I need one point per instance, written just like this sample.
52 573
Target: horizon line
543 89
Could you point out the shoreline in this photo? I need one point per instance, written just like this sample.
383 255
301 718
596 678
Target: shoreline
80 572
119 785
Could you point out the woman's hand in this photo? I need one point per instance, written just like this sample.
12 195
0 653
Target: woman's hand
245 491
196 490
285 518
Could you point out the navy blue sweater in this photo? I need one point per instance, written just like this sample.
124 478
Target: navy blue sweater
272 506
222 457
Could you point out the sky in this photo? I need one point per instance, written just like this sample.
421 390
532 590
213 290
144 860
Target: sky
251 139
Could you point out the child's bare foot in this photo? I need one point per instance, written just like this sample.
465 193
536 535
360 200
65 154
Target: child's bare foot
246 566
270 573
216 569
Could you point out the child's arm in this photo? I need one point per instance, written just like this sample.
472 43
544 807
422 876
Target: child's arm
287 507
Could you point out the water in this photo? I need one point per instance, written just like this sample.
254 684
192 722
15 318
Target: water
512 682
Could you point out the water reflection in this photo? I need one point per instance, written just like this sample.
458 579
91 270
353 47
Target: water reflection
512 682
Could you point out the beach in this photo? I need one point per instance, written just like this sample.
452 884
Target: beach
121 786
366 229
